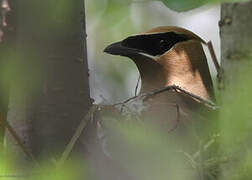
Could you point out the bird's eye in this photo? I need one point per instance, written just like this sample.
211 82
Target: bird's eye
162 44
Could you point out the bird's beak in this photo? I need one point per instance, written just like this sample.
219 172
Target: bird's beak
118 49
114 49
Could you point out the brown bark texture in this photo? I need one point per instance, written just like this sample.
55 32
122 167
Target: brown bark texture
236 40
50 90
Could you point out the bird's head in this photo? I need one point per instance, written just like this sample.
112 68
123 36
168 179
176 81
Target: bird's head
165 56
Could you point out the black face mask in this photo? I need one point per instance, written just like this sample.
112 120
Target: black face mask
154 44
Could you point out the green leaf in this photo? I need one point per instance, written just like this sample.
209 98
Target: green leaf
184 5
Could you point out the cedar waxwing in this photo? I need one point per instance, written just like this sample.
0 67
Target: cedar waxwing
169 56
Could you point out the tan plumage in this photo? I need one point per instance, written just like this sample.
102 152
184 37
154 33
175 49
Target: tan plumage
186 66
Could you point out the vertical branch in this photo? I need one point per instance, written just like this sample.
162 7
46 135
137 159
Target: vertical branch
236 40
7 38
218 68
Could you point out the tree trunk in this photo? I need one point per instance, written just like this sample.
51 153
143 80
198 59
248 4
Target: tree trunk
236 39
7 40
50 91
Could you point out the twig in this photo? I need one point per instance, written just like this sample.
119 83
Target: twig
189 159
174 87
206 146
137 85
18 140
219 69
76 135
177 89
122 106
201 163
214 58
127 100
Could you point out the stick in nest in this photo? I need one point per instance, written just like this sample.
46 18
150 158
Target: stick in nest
177 89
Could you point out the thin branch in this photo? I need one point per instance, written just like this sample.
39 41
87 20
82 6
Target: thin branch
174 87
76 135
127 100
177 89
201 163
137 85
206 146
213 55
219 69
190 159
20 143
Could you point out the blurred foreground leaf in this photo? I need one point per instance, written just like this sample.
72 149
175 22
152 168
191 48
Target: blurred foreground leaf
186 5
11 169
6 166
236 125
147 153
70 171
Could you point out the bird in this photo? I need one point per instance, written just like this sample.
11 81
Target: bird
172 56
168 55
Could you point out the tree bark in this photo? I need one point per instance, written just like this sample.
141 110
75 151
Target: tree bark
50 91
7 40
236 40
